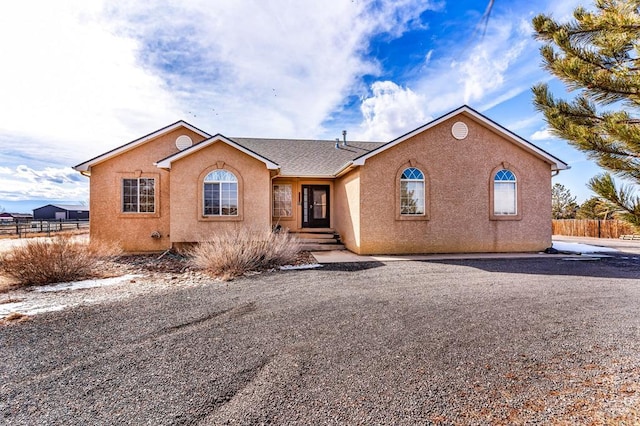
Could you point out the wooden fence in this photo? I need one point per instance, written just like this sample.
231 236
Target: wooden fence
47 227
592 228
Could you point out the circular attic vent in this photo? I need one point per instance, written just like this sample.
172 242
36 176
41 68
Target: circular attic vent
183 142
459 130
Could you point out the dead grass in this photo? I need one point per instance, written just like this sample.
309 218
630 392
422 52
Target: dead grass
231 254
13 317
59 259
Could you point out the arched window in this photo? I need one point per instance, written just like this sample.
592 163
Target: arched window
220 194
412 192
505 193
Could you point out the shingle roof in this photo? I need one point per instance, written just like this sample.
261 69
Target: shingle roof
307 157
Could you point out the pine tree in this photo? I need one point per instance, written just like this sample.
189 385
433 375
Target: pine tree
598 55
595 208
563 204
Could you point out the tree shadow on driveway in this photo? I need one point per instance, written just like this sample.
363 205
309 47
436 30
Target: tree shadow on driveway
613 266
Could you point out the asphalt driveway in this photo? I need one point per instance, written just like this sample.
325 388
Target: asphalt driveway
455 342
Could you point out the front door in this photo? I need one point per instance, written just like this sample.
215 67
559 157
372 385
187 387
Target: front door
315 206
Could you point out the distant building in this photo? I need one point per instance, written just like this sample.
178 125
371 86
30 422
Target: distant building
61 212
15 217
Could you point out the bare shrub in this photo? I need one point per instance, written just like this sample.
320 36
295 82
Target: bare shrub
59 259
232 253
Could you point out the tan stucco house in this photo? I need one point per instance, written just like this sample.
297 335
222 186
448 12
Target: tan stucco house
461 183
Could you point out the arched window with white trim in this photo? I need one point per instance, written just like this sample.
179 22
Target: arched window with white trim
505 193
220 194
412 192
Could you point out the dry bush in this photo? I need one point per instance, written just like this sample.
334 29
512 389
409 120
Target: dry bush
59 259
232 253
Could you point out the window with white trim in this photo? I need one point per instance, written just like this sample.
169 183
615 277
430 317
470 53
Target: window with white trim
138 195
282 200
220 194
412 200
505 193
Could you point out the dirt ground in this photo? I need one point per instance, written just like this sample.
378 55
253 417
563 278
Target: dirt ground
535 341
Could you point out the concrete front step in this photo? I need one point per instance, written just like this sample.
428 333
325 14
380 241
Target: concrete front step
321 247
313 236
318 240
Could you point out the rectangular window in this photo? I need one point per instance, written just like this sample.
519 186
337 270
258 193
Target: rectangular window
504 198
138 195
412 197
221 199
282 203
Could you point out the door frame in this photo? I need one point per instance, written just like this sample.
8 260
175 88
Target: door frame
307 207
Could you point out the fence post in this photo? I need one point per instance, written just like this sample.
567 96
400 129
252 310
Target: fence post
599 228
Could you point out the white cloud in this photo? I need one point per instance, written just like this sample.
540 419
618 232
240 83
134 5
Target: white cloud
264 68
494 69
25 183
70 83
391 111
542 135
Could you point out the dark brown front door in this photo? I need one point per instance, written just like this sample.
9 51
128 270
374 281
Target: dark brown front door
315 206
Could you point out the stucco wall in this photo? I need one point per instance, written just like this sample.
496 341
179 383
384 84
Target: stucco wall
347 209
459 180
133 230
188 224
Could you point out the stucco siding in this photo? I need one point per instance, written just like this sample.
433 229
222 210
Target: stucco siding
188 223
459 180
347 209
133 230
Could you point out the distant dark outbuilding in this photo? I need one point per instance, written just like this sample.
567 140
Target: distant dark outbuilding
15 217
61 212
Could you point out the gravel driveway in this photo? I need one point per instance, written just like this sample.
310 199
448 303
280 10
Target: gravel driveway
458 342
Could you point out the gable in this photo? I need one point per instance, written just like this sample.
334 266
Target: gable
85 168
165 163
555 163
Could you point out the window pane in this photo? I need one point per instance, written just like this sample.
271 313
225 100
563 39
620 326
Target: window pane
504 198
411 197
211 199
220 198
147 195
282 205
220 176
129 195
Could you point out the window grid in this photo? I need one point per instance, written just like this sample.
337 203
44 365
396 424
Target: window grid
282 201
138 195
412 192
220 194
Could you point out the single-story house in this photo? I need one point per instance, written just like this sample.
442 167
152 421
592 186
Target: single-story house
461 183
61 212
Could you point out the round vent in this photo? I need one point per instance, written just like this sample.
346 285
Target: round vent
459 130
183 142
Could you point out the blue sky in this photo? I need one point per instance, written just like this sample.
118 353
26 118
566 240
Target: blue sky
81 77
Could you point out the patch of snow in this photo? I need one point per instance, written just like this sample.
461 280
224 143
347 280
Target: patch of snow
581 248
28 308
79 285
297 267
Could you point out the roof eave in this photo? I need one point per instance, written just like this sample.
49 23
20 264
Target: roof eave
86 166
166 162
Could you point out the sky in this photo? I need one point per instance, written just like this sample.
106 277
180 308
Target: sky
81 77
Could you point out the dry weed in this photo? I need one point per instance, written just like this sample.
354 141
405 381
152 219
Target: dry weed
230 254
59 259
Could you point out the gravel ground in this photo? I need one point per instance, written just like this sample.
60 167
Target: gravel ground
538 341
